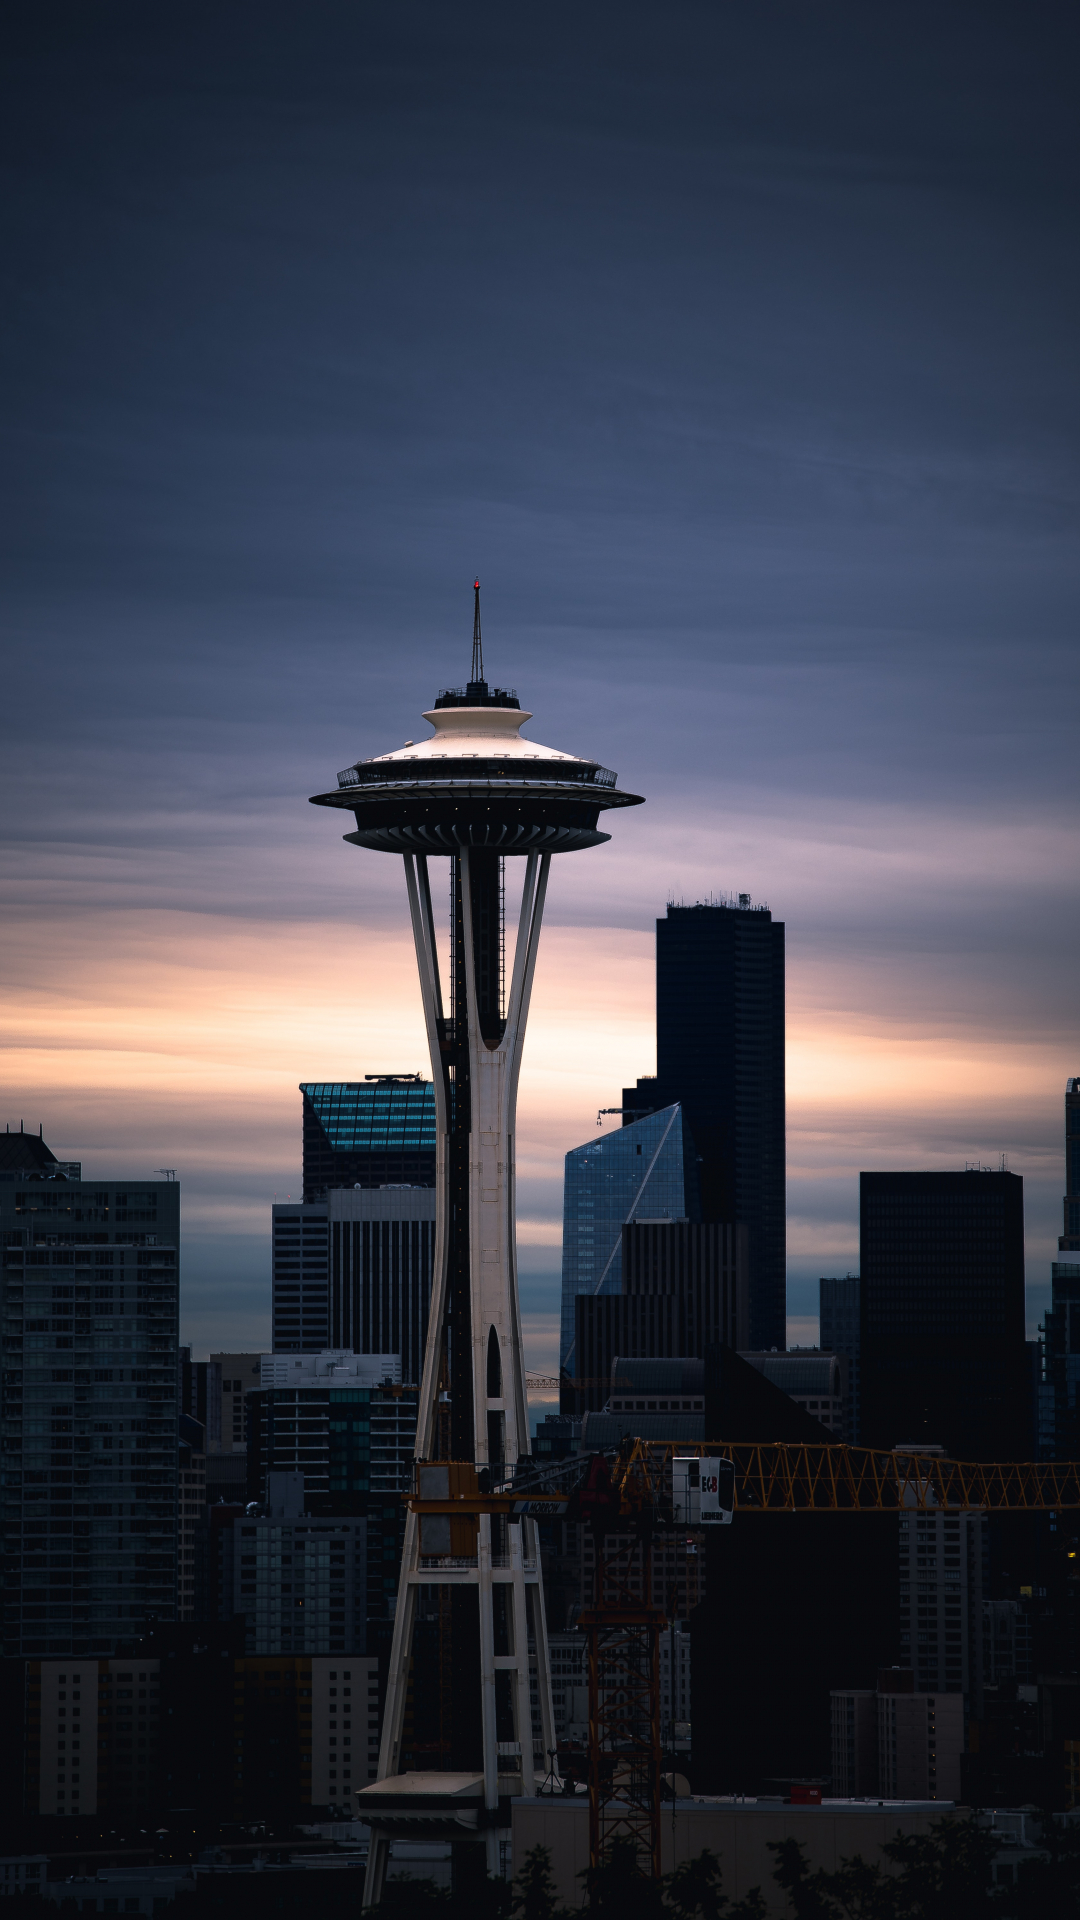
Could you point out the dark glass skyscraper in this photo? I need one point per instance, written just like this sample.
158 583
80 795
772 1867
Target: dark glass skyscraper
942 1309
720 1052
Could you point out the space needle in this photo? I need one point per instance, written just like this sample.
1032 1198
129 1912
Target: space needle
474 791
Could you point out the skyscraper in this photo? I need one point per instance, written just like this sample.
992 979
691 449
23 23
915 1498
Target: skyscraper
375 1132
942 1307
720 1053
644 1171
382 1252
300 1283
838 1321
1062 1327
1070 1238
90 1295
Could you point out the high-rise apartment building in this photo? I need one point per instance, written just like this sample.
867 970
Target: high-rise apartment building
942 1313
838 1321
90 1295
376 1132
345 1423
299 1581
645 1171
720 1053
92 1735
896 1742
1070 1237
920 1740
941 1602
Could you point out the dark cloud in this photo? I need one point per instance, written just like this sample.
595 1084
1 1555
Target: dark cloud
736 349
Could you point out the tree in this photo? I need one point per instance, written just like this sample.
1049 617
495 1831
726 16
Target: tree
1047 1889
534 1889
940 1875
695 1889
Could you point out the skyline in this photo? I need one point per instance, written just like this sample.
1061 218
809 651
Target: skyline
737 356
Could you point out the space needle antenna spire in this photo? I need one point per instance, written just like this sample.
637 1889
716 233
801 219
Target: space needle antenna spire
477 675
477 794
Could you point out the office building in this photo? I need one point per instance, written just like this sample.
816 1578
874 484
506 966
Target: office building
838 1332
720 1053
704 1265
382 1250
299 1582
644 1171
683 1289
376 1132
1070 1237
942 1311
895 1743
941 1602
300 1278
1061 1349
353 1270
815 1381
90 1284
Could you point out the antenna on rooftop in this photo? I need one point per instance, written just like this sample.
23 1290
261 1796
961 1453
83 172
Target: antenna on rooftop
477 644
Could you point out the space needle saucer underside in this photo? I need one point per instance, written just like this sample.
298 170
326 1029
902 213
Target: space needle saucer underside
507 816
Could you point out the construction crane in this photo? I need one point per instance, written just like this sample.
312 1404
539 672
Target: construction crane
657 1486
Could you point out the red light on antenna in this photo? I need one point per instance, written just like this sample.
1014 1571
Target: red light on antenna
476 585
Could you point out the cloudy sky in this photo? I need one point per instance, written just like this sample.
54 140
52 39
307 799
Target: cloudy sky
735 347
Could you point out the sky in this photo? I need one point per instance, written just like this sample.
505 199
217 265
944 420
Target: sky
735 348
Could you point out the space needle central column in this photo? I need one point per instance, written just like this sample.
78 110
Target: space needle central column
475 792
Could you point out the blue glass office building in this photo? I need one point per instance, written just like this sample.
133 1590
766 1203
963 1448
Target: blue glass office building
645 1171
368 1133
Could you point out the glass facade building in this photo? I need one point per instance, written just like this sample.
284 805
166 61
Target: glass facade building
90 1296
645 1171
368 1133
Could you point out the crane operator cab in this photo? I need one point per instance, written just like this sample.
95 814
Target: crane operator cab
703 1492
